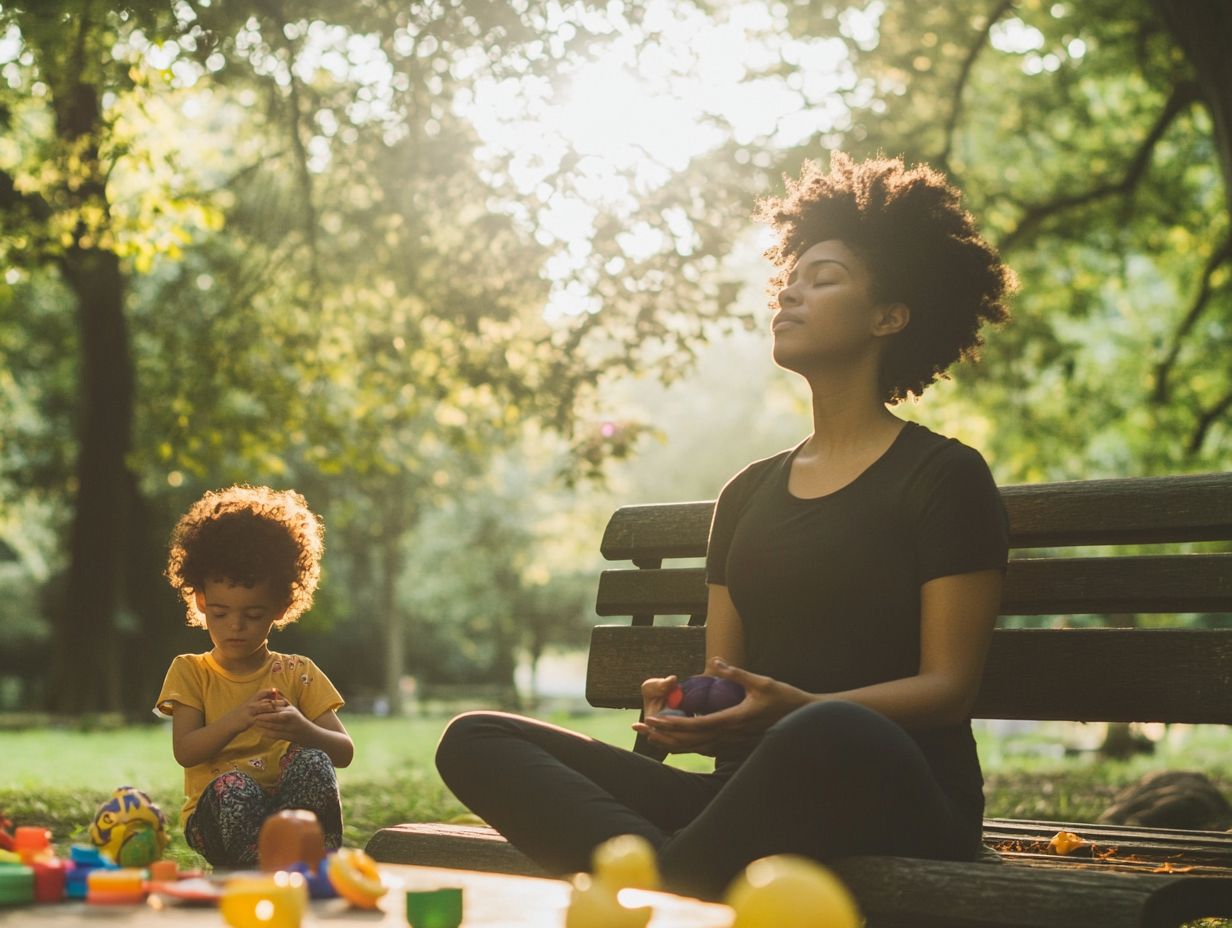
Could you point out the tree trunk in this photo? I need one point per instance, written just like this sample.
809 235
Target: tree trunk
391 568
1203 30
86 670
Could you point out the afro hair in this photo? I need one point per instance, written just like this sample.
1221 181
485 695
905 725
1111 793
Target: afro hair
248 535
921 247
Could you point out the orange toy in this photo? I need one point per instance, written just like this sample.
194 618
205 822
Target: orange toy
292 836
115 887
356 878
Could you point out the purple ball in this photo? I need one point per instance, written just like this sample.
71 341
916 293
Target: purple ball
704 694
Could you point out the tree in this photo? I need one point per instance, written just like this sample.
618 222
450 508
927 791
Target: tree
287 264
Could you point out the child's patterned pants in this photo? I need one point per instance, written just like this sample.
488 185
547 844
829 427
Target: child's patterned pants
227 821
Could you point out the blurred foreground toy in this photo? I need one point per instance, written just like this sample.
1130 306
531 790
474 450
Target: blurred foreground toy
277 901
129 828
626 861
16 884
786 891
84 859
32 845
289 837
593 903
356 878
434 908
701 695
124 886
6 837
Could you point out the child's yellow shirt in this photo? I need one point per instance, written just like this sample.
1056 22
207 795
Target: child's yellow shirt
198 681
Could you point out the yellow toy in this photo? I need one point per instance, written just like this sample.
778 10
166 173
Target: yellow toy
277 901
355 877
626 861
129 828
594 904
786 891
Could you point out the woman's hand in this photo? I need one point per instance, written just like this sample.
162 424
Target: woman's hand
766 700
654 694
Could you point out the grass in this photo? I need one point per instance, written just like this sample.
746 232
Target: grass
56 777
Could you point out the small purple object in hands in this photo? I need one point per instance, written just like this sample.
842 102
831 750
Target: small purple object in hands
701 695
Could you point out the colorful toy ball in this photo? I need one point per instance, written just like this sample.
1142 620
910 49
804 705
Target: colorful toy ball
702 694
129 828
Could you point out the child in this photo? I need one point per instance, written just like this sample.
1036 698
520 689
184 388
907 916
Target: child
255 731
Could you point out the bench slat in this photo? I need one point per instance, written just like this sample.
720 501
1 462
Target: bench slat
1102 674
1139 510
1033 586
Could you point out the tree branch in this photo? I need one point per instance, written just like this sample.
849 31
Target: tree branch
942 161
1159 395
303 174
1206 419
1183 96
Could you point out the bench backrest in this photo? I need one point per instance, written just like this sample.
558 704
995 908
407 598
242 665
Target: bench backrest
1080 674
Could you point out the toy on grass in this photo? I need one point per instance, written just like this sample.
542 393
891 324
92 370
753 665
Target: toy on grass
129 828
85 859
702 694
355 877
277 901
16 884
787 891
626 861
32 847
125 886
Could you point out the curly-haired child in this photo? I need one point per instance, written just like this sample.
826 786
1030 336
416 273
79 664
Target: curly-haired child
255 731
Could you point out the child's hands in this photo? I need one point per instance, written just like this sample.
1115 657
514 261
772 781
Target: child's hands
263 701
283 723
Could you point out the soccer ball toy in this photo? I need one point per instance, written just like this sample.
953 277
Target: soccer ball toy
129 828
701 695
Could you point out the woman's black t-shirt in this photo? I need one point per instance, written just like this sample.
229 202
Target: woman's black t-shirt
828 589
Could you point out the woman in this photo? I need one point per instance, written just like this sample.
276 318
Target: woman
853 582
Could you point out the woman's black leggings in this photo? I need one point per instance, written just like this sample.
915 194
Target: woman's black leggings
831 779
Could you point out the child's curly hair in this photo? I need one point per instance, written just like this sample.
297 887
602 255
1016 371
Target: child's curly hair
921 247
248 535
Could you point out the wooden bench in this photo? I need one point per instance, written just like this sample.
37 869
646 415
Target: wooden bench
1136 876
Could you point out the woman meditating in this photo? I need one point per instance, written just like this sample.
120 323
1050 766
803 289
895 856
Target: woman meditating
853 581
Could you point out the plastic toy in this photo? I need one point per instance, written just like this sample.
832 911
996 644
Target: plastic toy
31 841
786 891
288 837
84 859
594 904
129 828
356 877
434 908
277 901
701 695
6 837
124 886
16 884
164 871
626 861
319 885
49 878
